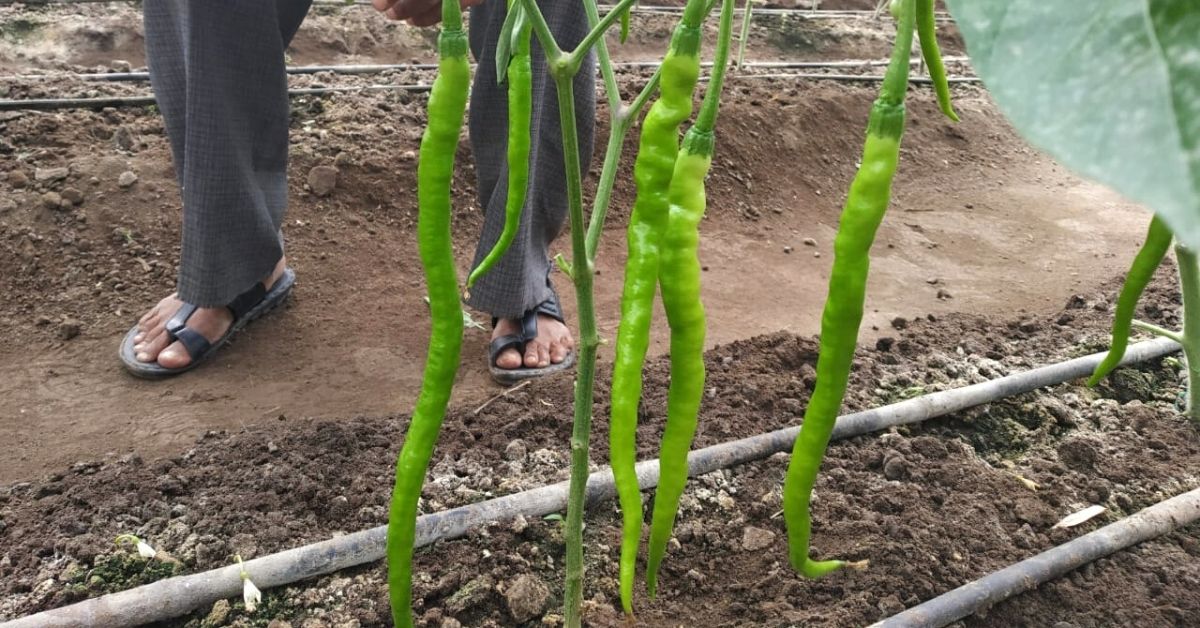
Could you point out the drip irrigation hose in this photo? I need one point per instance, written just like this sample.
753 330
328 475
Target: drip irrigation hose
643 9
980 594
400 67
177 596
49 104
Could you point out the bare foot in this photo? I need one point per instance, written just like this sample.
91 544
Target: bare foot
153 344
553 343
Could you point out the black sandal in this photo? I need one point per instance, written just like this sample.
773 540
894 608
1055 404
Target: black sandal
247 307
550 307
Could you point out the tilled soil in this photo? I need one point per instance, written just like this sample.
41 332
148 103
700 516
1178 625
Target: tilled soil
931 506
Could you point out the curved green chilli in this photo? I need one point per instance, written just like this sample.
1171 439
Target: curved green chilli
657 149
927 33
520 108
1148 259
447 104
679 278
865 206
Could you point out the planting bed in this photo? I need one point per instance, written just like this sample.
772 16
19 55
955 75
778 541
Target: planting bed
931 506
990 262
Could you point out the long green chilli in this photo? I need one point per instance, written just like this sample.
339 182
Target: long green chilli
447 105
927 33
679 279
657 150
520 108
1148 259
865 206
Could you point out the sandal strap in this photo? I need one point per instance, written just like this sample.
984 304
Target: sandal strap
248 300
193 341
551 306
178 322
503 343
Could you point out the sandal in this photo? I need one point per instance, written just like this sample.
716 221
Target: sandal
550 307
247 307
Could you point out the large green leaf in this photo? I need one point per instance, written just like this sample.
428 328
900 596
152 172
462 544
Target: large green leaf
1109 88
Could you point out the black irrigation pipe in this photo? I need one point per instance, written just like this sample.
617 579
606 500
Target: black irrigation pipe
100 102
993 588
180 595
646 9
389 67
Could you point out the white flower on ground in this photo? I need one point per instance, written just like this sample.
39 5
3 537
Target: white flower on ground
250 593
143 548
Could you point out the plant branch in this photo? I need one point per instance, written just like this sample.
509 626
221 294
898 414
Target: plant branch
576 56
1158 331
1189 282
706 120
622 121
604 60
554 54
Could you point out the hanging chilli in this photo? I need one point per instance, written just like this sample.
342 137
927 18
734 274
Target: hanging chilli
865 205
679 279
447 105
520 98
657 149
1148 259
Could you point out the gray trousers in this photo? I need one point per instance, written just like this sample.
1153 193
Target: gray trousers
217 68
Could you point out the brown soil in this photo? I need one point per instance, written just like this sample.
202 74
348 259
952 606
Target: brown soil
932 506
302 416
980 219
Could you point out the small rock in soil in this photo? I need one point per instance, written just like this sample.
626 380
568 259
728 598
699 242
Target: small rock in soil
943 294
69 328
218 615
755 539
526 598
120 65
72 196
279 623
18 179
47 175
127 179
322 180
810 242
519 524
899 322
451 622
471 594
515 450
787 249
52 200
123 138
890 605
896 468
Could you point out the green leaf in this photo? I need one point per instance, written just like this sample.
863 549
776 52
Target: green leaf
1109 88
505 43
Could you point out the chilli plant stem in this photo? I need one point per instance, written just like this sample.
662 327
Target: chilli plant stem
563 68
1189 281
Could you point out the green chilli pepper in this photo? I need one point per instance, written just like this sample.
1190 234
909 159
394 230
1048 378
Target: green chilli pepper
447 105
679 279
520 108
927 32
657 149
865 206
1149 258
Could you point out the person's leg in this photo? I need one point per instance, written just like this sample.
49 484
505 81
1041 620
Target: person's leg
519 281
217 68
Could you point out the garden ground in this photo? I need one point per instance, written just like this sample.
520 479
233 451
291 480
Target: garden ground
299 420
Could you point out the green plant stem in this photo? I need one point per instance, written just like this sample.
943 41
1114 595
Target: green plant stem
706 120
586 365
622 121
1158 331
1189 281
744 34
597 34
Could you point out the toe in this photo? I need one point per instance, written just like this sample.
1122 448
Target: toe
543 356
174 356
558 352
531 355
509 359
